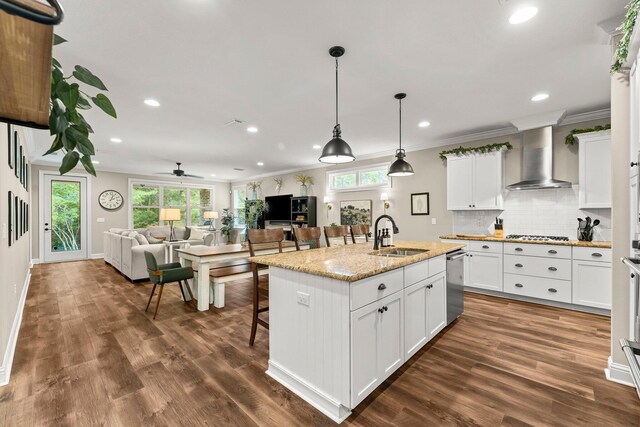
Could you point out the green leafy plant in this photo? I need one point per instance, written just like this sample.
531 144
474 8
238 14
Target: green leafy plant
570 139
303 179
67 125
253 211
227 222
622 50
476 150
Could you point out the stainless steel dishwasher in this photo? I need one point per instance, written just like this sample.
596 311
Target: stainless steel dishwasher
455 284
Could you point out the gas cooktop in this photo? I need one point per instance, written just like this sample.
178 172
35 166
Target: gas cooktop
537 238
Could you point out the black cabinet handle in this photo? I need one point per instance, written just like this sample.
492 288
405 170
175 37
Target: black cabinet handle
519 249
553 251
382 287
519 265
596 254
633 276
553 290
469 205
474 206
380 310
553 269
470 254
634 164
519 285
485 247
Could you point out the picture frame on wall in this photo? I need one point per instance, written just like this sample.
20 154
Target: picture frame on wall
16 142
26 176
10 217
21 220
27 217
10 156
355 212
21 158
15 218
419 203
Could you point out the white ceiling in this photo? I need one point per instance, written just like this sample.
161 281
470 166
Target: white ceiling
463 66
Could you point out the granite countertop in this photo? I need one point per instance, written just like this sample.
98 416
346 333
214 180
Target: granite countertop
353 262
602 245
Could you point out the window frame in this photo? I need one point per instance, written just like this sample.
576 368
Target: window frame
234 199
169 184
358 171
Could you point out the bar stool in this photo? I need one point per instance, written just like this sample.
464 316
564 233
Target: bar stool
256 237
336 231
308 234
359 230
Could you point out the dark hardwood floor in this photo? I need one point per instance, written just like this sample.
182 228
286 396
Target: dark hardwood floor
88 355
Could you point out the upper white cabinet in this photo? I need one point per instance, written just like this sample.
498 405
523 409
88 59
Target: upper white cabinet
475 181
595 169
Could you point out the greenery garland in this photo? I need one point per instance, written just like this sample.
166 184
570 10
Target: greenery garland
622 51
570 139
475 150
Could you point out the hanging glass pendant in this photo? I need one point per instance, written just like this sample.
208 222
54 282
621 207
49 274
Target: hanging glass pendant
337 150
400 167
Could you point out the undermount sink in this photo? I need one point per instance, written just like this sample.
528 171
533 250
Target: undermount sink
399 253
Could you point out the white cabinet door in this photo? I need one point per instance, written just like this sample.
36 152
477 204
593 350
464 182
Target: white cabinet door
595 170
437 304
487 181
592 284
391 337
365 371
459 183
485 271
416 323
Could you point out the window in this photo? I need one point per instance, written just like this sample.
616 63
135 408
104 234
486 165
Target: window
239 197
148 198
369 177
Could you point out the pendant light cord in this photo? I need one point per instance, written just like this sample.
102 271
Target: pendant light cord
400 129
336 91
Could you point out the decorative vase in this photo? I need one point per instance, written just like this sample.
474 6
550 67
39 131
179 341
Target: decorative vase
254 195
303 190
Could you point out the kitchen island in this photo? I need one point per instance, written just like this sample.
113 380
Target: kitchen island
343 319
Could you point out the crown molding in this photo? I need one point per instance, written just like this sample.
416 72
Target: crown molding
608 29
605 113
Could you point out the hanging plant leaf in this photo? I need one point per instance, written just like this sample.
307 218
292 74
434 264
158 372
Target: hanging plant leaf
76 135
55 63
105 105
88 166
57 145
570 139
57 122
68 94
58 40
471 150
83 103
622 50
69 162
86 76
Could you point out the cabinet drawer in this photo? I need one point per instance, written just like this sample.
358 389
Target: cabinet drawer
437 265
416 272
538 287
482 246
371 289
592 254
537 266
551 251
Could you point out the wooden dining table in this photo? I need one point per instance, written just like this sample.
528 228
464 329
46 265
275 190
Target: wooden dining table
207 256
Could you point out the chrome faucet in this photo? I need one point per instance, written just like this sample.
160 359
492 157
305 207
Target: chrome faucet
396 230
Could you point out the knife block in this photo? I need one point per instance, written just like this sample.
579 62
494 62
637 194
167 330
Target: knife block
498 231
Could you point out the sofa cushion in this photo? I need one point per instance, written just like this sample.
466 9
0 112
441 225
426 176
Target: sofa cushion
152 240
197 234
117 230
141 239
180 233
159 231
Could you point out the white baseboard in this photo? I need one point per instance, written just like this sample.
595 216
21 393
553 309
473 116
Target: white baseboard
35 261
5 368
618 373
96 256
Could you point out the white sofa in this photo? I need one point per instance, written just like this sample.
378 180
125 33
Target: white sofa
124 251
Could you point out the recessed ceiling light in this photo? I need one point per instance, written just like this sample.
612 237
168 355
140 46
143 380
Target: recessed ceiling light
317 147
95 162
523 15
116 140
213 174
424 124
539 97
252 129
152 102
260 164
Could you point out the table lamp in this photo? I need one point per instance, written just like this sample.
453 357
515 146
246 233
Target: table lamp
211 216
170 215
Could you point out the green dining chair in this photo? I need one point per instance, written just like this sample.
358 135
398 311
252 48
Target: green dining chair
166 273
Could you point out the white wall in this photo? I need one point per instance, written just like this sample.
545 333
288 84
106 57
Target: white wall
14 260
119 218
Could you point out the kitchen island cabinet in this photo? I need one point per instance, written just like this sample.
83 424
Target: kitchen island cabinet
339 318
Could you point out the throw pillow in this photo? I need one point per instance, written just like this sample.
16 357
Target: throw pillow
197 234
152 240
187 233
141 239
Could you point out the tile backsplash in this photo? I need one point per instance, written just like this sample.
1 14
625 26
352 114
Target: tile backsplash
547 212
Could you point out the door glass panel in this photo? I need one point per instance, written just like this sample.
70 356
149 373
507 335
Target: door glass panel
65 216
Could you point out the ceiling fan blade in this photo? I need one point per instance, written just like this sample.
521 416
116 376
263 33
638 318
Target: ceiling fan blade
186 175
164 173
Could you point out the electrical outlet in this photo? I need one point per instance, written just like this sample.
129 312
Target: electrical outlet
303 298
433 221
99 219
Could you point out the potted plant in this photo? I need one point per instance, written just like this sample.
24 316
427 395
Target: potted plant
254 186
227 224
305 182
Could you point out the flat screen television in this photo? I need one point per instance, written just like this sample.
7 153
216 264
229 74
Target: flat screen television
278 208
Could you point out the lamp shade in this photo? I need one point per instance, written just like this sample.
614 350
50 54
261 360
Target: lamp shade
400 167
337 151
327 199
170 214
211 215
384 197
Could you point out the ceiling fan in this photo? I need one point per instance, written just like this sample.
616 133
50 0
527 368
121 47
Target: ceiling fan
180 173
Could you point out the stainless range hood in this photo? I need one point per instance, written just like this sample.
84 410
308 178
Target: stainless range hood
537 161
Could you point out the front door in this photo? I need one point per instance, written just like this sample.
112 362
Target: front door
64 228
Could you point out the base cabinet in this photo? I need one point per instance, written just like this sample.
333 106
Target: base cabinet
485 271
592 284
437 304
377 344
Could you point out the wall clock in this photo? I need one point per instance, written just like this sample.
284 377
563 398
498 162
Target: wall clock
110 200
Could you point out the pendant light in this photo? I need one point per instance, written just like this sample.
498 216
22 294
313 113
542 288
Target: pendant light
400 167
336 150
